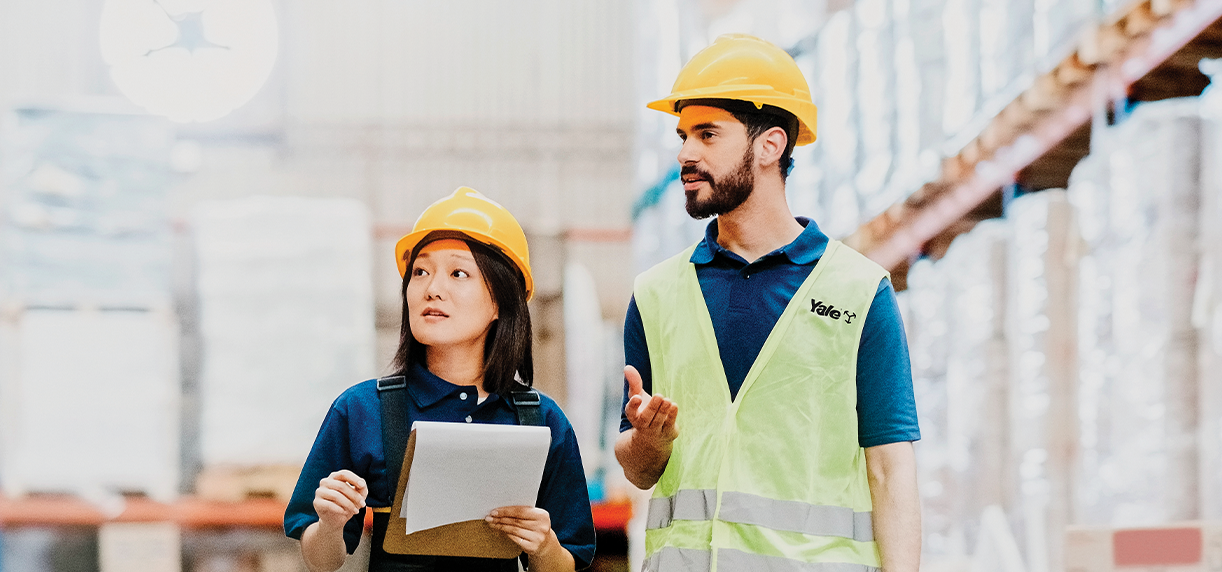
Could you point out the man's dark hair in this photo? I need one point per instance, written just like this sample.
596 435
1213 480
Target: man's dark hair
757 121
507 350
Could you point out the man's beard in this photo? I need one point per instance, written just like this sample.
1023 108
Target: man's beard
725 195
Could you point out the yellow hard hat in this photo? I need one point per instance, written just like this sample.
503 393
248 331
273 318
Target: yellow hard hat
468 212
745 68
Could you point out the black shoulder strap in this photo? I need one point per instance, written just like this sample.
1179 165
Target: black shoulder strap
527 405
392 392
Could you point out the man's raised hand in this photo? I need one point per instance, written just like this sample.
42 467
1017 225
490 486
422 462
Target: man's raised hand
654 416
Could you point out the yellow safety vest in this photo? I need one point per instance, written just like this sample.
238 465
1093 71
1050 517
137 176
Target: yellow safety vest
775 479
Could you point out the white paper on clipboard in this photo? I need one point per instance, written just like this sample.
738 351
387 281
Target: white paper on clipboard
461 471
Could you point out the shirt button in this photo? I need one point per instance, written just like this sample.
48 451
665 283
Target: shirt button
468 419
462 395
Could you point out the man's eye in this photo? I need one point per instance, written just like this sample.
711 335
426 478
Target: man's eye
707 135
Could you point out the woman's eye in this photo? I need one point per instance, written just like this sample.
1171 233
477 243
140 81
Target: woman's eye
418 272
460 274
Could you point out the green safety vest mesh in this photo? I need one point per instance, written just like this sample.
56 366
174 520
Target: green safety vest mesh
775 479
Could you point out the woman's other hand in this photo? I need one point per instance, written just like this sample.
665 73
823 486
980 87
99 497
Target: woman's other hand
529 527
339 497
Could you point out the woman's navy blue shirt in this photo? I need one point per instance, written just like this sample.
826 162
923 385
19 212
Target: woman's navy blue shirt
351 438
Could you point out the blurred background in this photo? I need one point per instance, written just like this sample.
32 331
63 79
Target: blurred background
199 201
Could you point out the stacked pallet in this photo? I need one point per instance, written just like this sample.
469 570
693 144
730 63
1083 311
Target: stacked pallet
286 324
1041 274
89 368
1207 308
1138 198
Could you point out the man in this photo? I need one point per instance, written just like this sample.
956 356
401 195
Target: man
783 441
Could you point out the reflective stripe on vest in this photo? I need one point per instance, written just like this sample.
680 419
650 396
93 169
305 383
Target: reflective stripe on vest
686 505
776 471
738 560
744 508
690 560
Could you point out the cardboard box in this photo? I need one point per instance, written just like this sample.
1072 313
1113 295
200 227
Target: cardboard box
139 547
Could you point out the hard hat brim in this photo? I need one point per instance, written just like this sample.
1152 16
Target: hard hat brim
409 241
805 112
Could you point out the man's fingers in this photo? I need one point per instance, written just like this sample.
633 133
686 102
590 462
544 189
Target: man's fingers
635 385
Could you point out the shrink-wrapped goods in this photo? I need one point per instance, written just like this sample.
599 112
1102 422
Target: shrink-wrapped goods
915 81
285 318
1057 26
1006 50
961 37
924 309
89 376
977 373
1138 197
1040 326
838 131
929 44
83 216
585 364
1207 307
90 402
876 96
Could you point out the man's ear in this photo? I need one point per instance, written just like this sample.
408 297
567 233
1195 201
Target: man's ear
772 145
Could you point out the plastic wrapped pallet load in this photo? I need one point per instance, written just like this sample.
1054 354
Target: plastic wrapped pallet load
1139 205
924 307
976 373
91 402
1207 307
1043 371
286 322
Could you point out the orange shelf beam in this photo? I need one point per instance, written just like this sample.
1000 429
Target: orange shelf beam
190 512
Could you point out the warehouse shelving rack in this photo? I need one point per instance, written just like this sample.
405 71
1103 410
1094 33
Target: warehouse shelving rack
1148 51
192 512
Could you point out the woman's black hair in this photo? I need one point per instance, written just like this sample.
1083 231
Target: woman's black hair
508 363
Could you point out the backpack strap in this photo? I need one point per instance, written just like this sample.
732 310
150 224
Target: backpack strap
527 405
392 393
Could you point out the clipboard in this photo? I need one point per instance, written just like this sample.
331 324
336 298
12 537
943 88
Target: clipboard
472 538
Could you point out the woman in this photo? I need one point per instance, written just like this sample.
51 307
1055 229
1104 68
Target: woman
465 345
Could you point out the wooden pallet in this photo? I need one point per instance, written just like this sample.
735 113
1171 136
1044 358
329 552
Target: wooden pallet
237 483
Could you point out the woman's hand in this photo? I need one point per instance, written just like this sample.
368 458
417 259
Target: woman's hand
529 527
339 497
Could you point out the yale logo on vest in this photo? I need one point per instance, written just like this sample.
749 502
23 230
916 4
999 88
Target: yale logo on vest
821 309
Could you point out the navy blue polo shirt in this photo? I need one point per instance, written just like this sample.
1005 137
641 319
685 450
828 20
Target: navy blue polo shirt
750 298
351 438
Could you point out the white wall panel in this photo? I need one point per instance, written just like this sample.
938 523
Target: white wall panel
471 61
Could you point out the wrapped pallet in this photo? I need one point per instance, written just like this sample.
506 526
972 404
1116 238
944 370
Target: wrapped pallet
1139 201
962 98
90 402
89 366
1207 309
1057 27
838 131
977 373
924 309
286 318
876 96
1041 329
